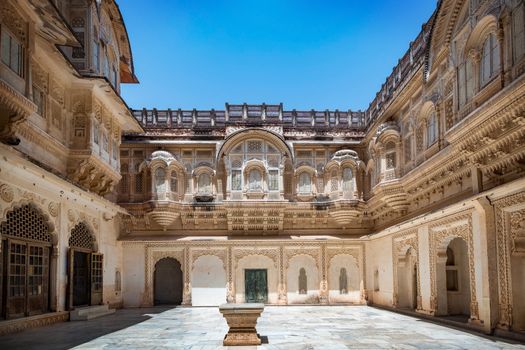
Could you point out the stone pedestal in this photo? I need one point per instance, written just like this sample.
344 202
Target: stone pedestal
241 319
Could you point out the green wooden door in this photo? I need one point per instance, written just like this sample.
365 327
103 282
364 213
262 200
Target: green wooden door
256 285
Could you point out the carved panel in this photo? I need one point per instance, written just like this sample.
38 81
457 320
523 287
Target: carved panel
509 227
441 234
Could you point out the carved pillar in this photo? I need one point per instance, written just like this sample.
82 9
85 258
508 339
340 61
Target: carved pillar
186 293
323 288
53 282
283 297
230 294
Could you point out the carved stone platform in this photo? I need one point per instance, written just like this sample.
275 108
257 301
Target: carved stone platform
241 319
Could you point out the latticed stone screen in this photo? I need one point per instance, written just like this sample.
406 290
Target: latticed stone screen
81 237
26 222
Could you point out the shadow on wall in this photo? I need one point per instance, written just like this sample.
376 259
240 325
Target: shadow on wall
70 334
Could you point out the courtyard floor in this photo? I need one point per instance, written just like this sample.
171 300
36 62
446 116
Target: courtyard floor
290 327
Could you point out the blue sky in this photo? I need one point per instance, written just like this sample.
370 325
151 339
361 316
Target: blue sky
305 53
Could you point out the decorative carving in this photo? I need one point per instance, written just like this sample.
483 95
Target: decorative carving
6 193
504 248
221 253
239 253
53 208
441 234
401 243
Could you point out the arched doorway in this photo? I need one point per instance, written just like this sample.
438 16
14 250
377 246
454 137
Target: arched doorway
453 279
407 280
167 282
84 268
25 263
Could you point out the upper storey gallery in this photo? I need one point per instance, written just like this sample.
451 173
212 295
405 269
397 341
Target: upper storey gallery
448 122
62 63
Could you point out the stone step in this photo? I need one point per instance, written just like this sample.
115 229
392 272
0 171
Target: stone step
90 312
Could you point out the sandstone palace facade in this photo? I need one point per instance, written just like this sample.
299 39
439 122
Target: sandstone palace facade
417 203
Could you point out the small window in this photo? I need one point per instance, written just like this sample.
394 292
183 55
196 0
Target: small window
305 183
347 179
255 180
174 182
303 282
96 56
39 100
139 183
490 63
273 184
114 78
11 52
236 180
96 131
465 82
451 272
431 129
408 148
334 186
160 180
518 32
343 281
376 281
204 184
115 150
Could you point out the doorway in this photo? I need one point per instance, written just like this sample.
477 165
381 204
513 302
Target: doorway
80 278
256 285
24 263
85 269
167 282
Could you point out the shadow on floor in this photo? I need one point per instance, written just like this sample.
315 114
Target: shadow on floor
67 335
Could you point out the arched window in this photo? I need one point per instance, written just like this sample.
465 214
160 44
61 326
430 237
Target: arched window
255 180
390 155
174 183
347 179
518 32
138 183
160 180
465 82
490 62
334 186
303 283
431 129
305 183
204 183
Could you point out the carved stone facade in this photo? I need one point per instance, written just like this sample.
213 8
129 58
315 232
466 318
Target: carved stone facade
415 203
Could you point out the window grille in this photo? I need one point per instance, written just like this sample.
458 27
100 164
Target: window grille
81 237
26 222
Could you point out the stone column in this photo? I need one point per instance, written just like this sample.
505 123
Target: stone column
484 231
230 288
186 293
323 288
283 296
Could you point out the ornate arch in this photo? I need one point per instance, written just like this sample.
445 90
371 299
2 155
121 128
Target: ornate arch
53 235
239 254
26 210
153 256
244 134
221 254
485 26
402 244
82 236
441 234
315 254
